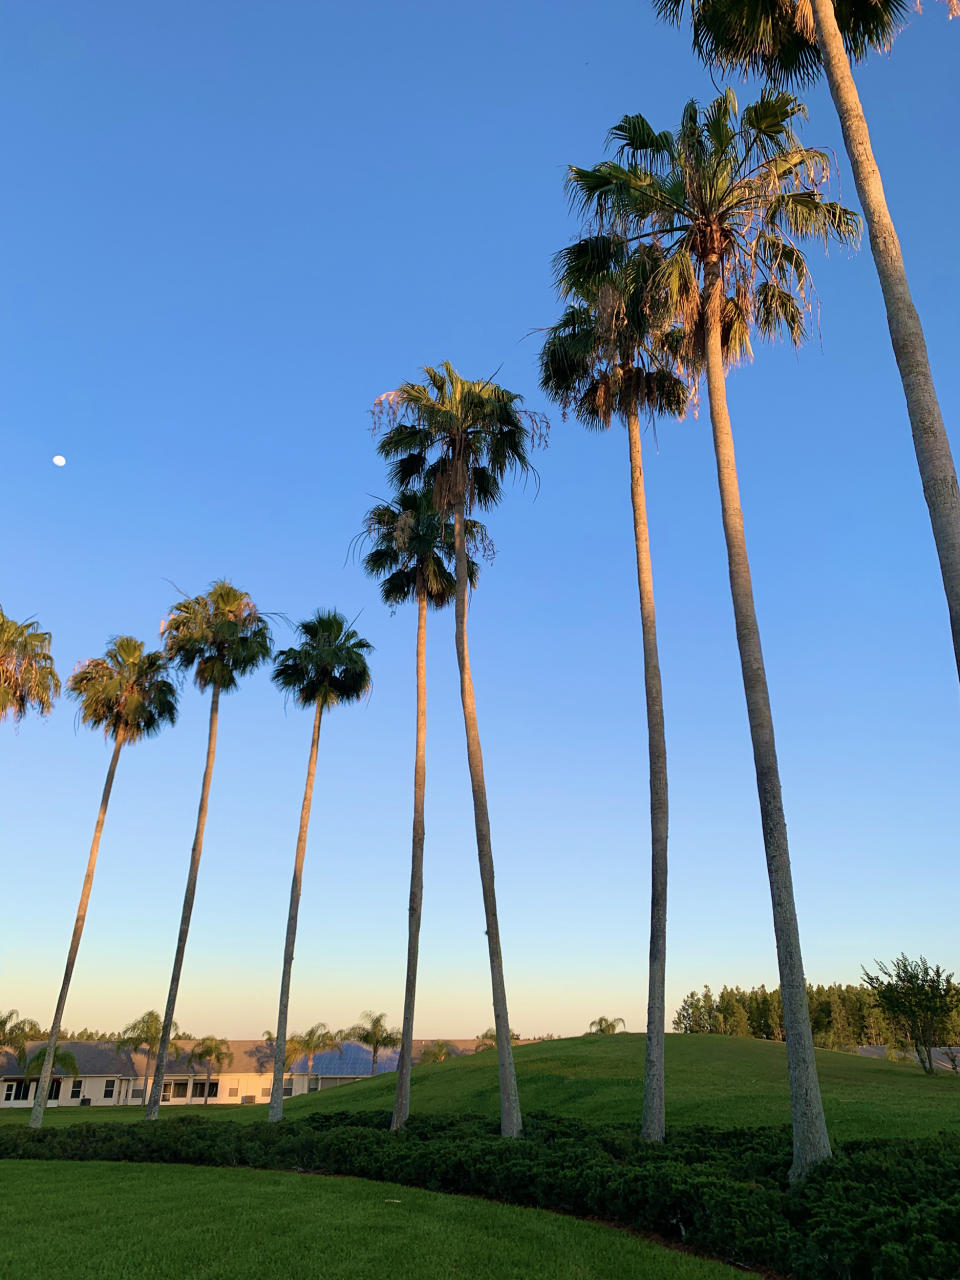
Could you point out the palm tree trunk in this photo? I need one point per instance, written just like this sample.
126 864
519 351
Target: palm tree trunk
401 1106
156 1092
374 1052
511 1121
934 459
279 1061
206 1091
146 1077
653 1124
810 1141
46 1071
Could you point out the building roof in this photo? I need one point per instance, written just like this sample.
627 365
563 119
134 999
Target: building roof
93 1058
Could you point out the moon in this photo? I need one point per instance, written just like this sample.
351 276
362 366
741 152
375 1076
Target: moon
59 460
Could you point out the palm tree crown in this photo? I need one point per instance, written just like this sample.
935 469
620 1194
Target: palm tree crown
330 664
126 692
221 635
728 198
606 1026
27 674
373 1031
413 549
211 1051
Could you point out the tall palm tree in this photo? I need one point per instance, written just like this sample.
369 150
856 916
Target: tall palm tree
791 43
607 1027
127 694
220 636
729 198
327 668
27 674
606 356
316 1039
143 1035
210 1052
464 438
413 548
373 1031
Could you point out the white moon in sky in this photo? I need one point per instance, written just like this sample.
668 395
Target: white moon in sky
59 460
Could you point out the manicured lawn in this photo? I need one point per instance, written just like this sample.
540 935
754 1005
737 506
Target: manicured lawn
114 1222
711 1080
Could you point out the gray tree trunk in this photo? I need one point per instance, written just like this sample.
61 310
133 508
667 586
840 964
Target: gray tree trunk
153 1107
401 1106
511 1121
934 459
46 1071
810 1141
374 1054
206 1091
146 1077
279 1061
653 1122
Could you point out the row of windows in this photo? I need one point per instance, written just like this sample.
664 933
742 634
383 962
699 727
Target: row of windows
178 1089
19 1090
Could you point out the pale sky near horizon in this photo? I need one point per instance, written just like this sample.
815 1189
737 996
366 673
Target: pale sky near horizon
230 226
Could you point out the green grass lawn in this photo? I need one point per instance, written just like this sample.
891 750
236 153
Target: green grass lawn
714 1080
115 1222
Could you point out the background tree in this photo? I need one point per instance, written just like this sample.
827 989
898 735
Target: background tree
920 1001
791 43
488 1039
328 667
143 1035
464 438
439 1051
413 549
316 1039
27 674
210 1052
606 1026
125 693
373 1031
606 356
16 1032
729 199
220 637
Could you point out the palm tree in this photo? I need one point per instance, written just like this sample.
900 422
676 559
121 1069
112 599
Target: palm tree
220 636
16 1032
27 675
291 1052
413 548
143 1035
607 1027
606 356
213 1053
490 1040
439 1051
375 1034
316 1039
463 438
125 693
729 198
327 668
791 43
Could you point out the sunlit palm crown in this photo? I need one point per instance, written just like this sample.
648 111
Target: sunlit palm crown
211 1050
27 674
609 352
144 1032
730 191
413 549
127 691
374 1032
328 666
458 436
221 635
777 38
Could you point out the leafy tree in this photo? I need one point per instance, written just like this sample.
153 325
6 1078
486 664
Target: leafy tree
921 1001
316 1039
16 1032
291 1051
220 637
791 43
373 1031
413 549
606 1026
143 1035
464 438
213 1053
729 199
606 357
27 674
127 694
488 1039
439 1051
327 668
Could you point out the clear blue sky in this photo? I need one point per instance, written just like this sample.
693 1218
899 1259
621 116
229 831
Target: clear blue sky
229 226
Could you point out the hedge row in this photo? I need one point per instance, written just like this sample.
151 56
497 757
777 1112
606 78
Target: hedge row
880 1210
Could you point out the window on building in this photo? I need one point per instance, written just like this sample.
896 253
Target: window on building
213 1088
265 1092
165 1095
8 1091
21 1090
199 1088
136 1093
288 1086
313 1084
76 1089
108 1088
233 1093
179 1088
54 1093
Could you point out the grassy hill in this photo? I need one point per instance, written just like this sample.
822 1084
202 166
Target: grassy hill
711 1080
